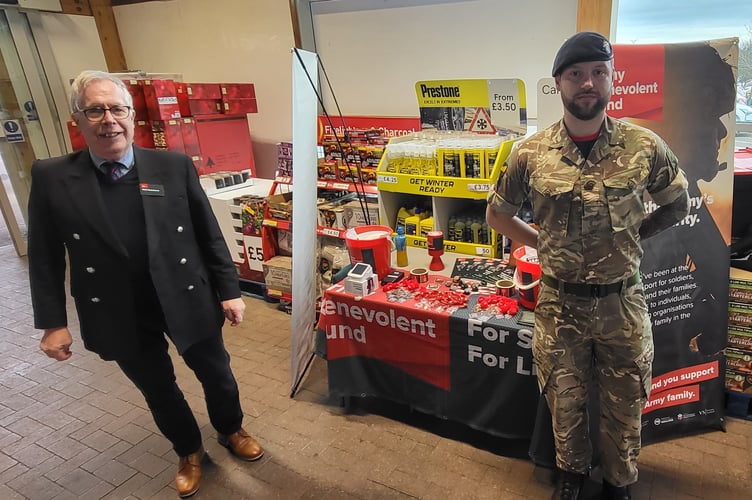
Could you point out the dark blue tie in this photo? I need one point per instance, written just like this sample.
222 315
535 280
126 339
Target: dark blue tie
113 169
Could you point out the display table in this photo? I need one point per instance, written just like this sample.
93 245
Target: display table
459 365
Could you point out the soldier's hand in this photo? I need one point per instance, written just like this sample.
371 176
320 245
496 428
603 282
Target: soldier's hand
234 309
56 343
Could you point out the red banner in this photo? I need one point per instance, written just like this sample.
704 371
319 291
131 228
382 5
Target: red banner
638 82
389 126
414 340
680 386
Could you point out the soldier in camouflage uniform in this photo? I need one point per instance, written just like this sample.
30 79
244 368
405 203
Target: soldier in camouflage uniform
585 177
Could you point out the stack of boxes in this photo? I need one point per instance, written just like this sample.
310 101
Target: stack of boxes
354 158
197 119
739 352
284 159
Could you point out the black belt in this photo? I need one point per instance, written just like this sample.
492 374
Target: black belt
586 290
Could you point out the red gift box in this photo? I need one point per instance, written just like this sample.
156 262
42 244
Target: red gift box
203 91
239 106
76 137
238 90
190 138
139 102
204 106
168 135
143 135
182 95
225 143
161 99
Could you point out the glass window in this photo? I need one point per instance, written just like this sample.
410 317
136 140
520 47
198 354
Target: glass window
672 21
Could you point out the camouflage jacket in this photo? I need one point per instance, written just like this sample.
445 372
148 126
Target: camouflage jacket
589 211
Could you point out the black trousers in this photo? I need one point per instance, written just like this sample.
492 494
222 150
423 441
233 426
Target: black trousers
154 375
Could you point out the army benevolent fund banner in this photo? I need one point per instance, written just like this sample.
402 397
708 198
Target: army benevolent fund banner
686 93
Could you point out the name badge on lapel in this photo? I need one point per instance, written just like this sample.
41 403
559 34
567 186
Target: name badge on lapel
151 189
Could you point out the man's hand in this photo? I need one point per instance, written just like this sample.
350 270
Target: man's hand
56 343
234 309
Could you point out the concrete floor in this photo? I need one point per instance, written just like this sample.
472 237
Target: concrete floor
79 430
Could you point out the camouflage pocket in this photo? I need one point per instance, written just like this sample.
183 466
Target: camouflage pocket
624 195
645 369
551 198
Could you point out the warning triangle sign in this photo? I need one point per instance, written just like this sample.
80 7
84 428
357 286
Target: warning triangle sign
482 122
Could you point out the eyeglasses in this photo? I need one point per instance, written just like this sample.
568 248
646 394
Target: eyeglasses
96 114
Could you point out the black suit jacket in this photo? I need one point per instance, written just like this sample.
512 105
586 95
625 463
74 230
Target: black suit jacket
188 259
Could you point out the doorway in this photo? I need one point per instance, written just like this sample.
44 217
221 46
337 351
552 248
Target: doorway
29 125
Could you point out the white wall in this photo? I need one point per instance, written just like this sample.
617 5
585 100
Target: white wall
220 41
374 56
74 45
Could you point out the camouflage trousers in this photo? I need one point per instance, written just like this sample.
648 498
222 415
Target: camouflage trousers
584 344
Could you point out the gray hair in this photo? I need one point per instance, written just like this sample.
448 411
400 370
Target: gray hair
85 78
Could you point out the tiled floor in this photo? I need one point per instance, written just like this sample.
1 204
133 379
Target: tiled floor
77 429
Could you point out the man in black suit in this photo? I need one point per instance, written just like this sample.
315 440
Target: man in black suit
147 258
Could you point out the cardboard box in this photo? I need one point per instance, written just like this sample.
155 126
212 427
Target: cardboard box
143 136
327 170
740 314
331 215
161 99
738 381
238 90
203 91
168 135
76 137
362 287
278 273
139 102
354 215
740 337
280 206
738 360
239 106
284 242
284 150
740 290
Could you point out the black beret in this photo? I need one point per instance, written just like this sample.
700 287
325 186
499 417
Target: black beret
584 46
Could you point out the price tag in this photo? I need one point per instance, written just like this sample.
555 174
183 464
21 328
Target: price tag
479 188
321 184
254 252
483 251
504 100
270 222
387 179
328 231
342 186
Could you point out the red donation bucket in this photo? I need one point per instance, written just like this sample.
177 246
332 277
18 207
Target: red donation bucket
527 275
372 245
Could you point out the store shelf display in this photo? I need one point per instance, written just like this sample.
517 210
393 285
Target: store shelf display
450 175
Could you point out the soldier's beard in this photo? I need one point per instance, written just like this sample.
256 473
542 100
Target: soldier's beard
585 113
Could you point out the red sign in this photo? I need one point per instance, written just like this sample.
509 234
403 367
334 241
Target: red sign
389 126
680 386
638 82
415 341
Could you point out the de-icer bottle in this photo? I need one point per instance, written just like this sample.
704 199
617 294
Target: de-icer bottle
400 243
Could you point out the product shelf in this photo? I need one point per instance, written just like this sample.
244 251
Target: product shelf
346 186
446 197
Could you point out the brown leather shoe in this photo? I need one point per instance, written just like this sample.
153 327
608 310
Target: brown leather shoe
188 478
242 445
